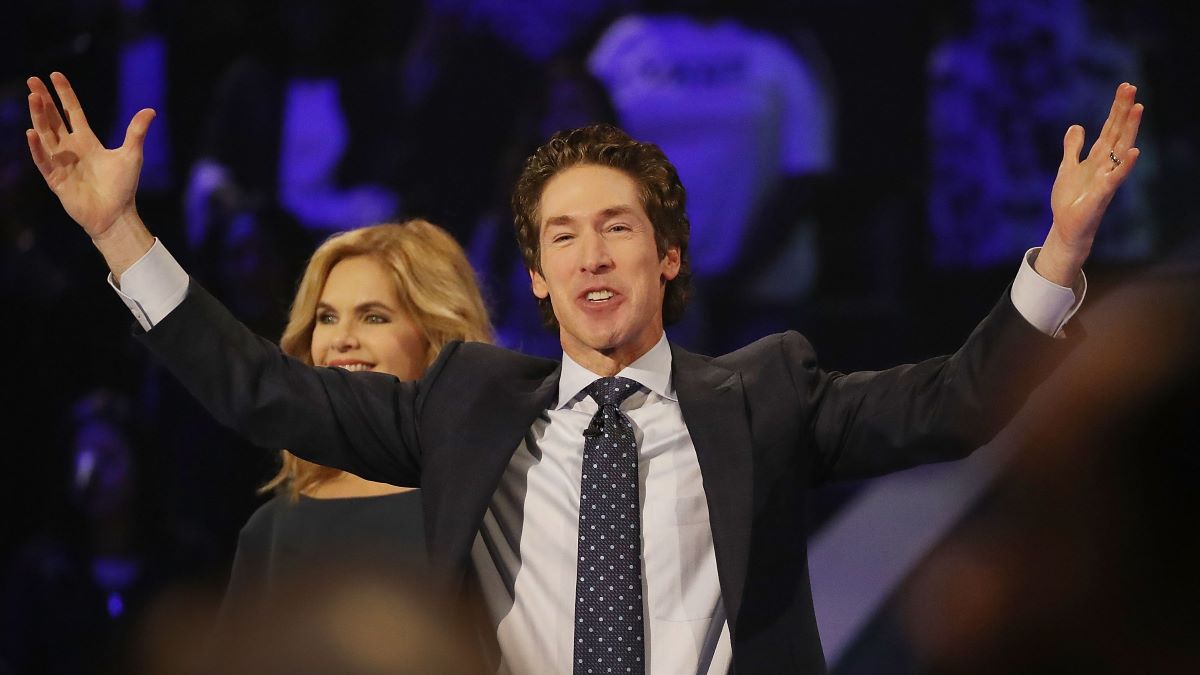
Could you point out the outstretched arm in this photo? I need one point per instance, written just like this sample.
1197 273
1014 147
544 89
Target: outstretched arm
1083 188
95 185
870 423
361 423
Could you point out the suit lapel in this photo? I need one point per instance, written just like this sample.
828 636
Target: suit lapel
497 430
479 466
713 406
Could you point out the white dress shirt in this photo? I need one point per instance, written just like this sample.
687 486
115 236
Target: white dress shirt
526 549
525 552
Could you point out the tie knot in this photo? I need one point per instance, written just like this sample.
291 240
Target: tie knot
612 390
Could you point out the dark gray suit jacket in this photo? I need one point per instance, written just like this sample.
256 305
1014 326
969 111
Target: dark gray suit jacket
767 423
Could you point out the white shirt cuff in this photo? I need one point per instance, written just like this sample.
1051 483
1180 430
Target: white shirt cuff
152 286
1045 304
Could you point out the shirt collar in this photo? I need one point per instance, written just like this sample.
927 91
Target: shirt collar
652 370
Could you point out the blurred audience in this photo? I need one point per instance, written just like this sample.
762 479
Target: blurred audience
999 95
1084 556
358 622
309 129
466 88
74 595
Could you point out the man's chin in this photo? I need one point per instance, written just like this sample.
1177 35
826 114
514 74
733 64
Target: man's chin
605 345
597 340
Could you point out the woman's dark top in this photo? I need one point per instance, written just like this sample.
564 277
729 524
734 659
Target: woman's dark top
287 542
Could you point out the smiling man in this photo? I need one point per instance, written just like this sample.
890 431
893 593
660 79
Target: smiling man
634 508
600 267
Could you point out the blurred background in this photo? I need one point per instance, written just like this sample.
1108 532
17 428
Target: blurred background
869 173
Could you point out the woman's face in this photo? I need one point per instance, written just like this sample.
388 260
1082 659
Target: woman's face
360 324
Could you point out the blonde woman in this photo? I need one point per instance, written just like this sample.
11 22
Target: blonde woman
385 299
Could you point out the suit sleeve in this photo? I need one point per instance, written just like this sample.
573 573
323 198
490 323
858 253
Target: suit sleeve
870 423
365 423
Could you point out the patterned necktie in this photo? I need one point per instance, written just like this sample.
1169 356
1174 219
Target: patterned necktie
608 586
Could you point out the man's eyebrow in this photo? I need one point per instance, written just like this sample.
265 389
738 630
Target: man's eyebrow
606 214
616 212
559 220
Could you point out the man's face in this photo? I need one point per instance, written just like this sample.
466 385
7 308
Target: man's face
600 265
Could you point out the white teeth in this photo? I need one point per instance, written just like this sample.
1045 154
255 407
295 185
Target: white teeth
355 367
599 295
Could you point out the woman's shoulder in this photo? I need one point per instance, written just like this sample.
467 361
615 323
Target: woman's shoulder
262 521
309 522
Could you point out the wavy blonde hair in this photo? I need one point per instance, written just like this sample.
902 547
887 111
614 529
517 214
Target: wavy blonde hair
437 289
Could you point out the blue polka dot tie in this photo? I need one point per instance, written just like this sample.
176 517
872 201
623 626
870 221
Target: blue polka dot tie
608 587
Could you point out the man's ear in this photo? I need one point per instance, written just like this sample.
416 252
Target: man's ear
538 284
671 263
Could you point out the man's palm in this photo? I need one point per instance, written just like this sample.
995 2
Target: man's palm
95 185
1084 187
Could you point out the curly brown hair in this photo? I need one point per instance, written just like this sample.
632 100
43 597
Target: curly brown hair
659 187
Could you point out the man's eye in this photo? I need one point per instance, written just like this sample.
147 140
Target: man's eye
560 238
619 227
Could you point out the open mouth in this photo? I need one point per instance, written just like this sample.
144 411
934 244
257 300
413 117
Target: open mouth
599 295
353 366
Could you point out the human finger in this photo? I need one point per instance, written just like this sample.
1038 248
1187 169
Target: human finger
135 133
1122 102
1072 145
41 124
1126 162
1129 131
40 159
52 128
76 120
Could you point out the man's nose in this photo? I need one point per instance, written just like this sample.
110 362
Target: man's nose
596 255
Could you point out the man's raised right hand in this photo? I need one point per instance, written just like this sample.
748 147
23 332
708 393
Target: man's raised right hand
95 185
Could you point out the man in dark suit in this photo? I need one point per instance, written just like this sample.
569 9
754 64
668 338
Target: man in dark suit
634 507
